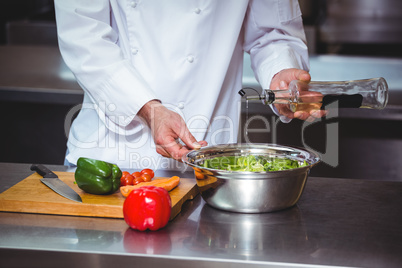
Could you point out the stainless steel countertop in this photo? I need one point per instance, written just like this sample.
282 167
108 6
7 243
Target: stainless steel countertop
36 74
337 222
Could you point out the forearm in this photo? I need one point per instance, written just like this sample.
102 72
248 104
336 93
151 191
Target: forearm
89 46
275 39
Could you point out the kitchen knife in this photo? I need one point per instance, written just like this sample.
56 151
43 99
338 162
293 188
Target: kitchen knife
53 182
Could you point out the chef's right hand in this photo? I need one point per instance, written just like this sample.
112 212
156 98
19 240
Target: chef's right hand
167 127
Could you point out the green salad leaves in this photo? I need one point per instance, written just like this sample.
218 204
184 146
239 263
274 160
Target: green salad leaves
252 163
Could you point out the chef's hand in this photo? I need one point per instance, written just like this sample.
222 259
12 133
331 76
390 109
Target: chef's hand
281 81
167 127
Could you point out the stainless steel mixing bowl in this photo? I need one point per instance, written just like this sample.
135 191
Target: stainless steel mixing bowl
251 192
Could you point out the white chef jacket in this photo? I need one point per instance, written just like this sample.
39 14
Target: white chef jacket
186 53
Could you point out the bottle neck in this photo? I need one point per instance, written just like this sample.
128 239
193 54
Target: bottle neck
276 96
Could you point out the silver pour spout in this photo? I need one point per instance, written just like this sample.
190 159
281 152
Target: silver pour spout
267 97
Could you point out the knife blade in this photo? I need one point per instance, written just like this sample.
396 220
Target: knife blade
52 181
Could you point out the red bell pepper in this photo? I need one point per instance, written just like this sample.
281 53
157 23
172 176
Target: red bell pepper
147 207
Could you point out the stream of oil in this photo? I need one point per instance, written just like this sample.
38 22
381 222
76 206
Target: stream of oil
245 124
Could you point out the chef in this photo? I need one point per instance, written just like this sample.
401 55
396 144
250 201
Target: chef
161 78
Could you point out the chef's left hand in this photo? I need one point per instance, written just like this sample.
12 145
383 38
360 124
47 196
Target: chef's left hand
281 81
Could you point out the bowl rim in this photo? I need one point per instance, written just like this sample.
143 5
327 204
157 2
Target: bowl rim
248 145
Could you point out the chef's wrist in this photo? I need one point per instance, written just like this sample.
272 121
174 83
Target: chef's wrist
148 109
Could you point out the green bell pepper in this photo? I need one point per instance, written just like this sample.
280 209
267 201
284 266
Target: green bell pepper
96 176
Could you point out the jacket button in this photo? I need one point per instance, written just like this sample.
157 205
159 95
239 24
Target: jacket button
197 11
134 51
133 4
190 59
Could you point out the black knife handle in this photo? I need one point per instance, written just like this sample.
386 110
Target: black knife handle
43 171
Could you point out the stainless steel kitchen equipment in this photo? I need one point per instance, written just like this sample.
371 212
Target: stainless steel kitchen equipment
361 21
251 192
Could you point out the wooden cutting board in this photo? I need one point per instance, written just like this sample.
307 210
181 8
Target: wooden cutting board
32 196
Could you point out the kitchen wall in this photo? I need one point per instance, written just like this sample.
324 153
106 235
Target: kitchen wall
30 12
354 27
32 119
